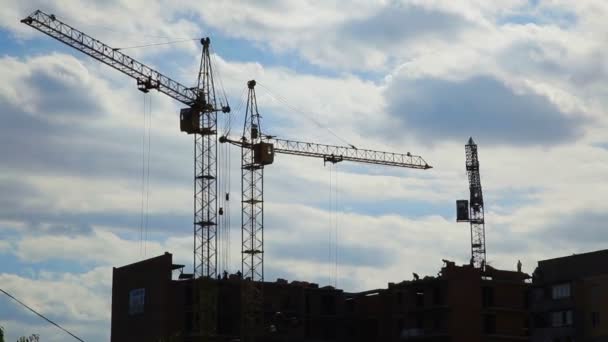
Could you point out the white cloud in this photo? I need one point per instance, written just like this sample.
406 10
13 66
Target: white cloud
531 191
80 302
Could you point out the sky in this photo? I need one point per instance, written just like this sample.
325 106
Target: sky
525 79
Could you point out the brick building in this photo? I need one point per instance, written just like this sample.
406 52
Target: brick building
461 303
569 299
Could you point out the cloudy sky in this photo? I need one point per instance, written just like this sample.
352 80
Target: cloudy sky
526 79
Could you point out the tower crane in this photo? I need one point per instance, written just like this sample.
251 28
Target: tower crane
472 211
198 118
257 151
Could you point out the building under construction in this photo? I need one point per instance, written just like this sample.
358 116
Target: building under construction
152 301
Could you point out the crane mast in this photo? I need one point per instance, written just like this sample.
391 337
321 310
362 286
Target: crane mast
199 119
472 211
252 218
258 150
476 218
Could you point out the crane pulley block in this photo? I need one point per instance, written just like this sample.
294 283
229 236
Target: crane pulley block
147 84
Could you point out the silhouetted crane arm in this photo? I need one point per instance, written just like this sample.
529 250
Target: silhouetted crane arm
334 154
147 78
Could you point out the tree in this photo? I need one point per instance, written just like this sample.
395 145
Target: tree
1 334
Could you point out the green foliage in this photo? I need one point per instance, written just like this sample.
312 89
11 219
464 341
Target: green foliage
33 338
1 334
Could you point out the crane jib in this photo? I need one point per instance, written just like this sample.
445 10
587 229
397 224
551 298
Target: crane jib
147 78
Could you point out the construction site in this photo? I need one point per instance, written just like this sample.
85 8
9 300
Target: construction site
158 300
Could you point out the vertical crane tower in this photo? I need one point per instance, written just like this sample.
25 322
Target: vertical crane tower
199 119
473 210
257 151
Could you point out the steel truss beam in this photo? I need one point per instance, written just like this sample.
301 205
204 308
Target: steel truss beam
343 153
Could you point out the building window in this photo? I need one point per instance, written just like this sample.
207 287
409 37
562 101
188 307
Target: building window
489 324
420 298
487 298
595 319
561 318
437 296
560 291
328 303
136 301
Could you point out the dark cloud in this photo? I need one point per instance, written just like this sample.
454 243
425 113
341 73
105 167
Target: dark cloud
584 230
16 197
551 59
53 87
435 109
399 22
38 145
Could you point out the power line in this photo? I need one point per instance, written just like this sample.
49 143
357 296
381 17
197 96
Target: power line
41 315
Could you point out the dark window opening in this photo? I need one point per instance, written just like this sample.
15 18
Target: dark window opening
419 321
437 296
188 320
489 324
419 298
307 328
307 304
136 301
487 298
328 303
400 326
539 321
437 324
350 305
329 331
595 319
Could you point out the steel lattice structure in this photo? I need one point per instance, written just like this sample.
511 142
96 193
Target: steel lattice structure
476 211
205 173
145 76
342 153
252 216
257 150
203 107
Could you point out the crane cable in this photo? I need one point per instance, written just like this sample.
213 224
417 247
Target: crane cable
331 216
143 181
336 213
227 181
41 315
282 100
225 165
217 70
145 175
333 226
146 225
155 44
